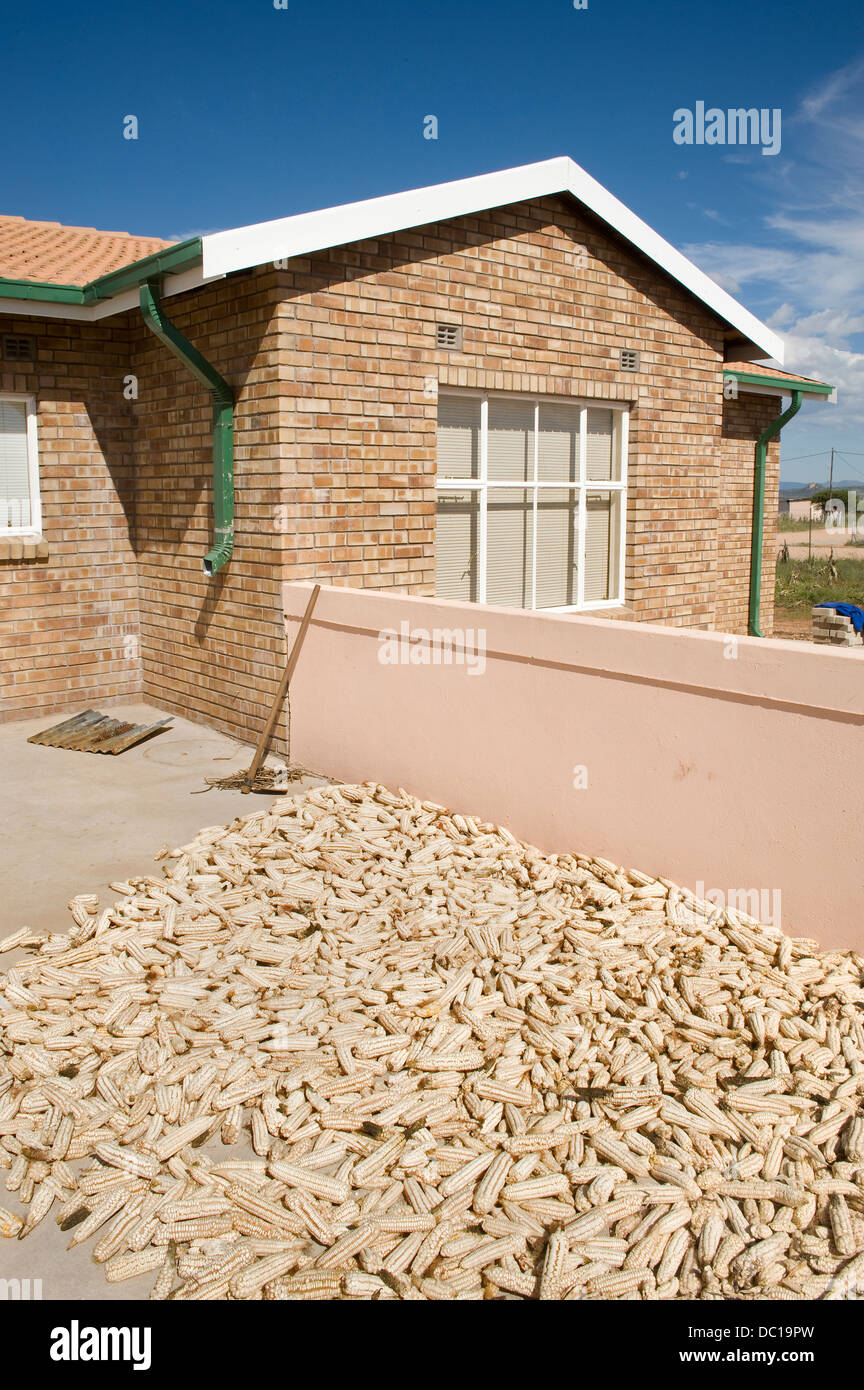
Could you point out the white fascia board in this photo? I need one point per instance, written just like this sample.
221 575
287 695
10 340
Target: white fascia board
748 388
308 232
657 249
36 309
171 284
104 308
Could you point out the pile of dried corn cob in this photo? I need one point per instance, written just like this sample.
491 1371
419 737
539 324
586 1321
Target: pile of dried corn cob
465 1069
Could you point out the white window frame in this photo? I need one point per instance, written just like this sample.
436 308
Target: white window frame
581 486
34 529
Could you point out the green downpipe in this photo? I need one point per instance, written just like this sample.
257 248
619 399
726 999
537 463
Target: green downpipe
759 510
223 423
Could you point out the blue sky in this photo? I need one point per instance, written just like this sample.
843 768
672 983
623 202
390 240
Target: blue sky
248 112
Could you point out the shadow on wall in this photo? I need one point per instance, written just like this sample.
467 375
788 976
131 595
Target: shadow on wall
173 449
402 251
209 605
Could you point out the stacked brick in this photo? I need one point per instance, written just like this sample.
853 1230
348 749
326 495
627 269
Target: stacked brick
835 628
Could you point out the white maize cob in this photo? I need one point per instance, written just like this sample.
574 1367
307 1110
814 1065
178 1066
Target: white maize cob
294 1175
128 1160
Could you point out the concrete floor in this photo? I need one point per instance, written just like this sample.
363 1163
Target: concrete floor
71 823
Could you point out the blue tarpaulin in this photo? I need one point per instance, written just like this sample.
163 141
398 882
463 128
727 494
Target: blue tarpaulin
849 610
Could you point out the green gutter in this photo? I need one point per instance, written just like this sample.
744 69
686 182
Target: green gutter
36 289
759 508
799 390
168 262
223 423
782 383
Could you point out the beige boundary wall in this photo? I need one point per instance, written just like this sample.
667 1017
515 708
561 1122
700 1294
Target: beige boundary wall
730 765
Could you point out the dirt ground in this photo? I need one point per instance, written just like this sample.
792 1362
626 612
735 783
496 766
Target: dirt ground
823 542
792 625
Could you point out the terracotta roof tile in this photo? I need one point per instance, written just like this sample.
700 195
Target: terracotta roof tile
757 369
60 255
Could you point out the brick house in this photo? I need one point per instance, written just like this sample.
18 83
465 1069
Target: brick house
507 389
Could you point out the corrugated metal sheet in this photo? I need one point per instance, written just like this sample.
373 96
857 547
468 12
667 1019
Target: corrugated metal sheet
92 732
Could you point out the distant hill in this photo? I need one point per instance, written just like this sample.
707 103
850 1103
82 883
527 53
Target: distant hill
791 492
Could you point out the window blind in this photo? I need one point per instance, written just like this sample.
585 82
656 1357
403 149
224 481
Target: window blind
511 441
509 547
458 437
558 445
456 540
557 545
527 469
599 451
15 502
601 547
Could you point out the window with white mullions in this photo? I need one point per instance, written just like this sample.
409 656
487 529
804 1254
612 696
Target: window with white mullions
20 508
531 499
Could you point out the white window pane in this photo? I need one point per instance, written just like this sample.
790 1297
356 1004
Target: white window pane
557 547
558 445
456 536
458 437
602 546
509 547
511 441
602 464
15 508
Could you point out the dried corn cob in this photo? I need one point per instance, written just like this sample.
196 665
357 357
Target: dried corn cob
479 1042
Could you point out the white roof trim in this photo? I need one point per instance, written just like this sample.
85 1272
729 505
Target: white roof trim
101 308
308 232
748 388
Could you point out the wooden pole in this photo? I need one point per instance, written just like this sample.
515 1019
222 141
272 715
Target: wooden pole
270 723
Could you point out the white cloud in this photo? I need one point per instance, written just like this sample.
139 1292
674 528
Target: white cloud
835 324
806 278
811 355
831 90
197 231
815 275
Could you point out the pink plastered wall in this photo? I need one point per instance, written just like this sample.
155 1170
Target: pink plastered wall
729 765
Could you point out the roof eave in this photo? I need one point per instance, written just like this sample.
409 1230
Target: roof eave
171 261
42 291
309 232
781 383
220 253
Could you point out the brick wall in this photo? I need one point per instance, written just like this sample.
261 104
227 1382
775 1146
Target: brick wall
357 329
335 371
213 648
744 420
69 613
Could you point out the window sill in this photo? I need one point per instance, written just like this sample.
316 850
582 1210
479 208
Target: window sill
22 549
602 607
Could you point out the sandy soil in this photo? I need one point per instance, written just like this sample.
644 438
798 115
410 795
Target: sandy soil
823 543
792 625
